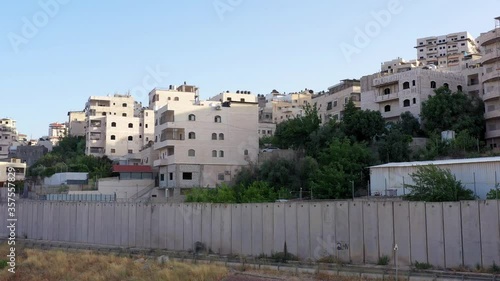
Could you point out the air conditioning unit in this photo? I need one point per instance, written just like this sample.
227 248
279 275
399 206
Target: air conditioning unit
218 107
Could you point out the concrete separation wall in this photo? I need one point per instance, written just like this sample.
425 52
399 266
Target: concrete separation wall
445 235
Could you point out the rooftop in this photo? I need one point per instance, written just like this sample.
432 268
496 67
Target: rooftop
439 162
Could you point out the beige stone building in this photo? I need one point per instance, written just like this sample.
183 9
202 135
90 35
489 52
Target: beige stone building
331 103
17 165
8 135
202 143
117 126
76 123
490 79
446 50
277 107
56 132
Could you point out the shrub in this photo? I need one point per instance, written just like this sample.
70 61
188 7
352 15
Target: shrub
383 260
422 265
3 264
494 193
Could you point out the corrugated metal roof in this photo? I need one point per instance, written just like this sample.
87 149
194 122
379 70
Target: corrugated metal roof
440 162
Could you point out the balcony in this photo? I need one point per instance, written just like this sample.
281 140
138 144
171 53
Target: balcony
490 57
165 162
494 94
384 98
492 134
492 114
492 76
489 37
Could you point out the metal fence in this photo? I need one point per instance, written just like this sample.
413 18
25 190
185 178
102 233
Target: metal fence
80 197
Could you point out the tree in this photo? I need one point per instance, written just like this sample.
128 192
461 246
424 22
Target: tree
409 124
362 125
453 111
493 194
294 133
395 146
433 184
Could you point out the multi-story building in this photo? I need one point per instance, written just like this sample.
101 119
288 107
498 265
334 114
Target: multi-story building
14 166
117 126
393 94
8 135
202 143
446 50
281 107
330 104
29 154
56 132
76 123
490 78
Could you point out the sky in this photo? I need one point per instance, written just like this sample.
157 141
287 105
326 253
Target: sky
54 54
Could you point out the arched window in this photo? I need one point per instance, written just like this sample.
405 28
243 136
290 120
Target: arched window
130 125
176 99
387 91
433 84
113 137
169 98
191 135
217 119
245 152
191 153
446 85
113 124
459 88
414 100
130 138
221 136
387 108
221 153
214 136
406 85
214 153
406 103
413 83
124 104
192 117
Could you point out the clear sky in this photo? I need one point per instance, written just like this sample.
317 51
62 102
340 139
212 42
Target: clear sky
53 56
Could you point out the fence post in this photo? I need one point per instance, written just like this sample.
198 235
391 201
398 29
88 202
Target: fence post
474 175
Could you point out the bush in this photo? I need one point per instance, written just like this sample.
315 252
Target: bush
495 269
3 264
383 260
494 193
422 265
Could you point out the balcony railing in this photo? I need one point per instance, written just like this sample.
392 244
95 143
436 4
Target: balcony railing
388 97
493 75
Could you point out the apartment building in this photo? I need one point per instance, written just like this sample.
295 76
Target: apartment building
490 79
203 143
281 107
117 126
56 132
19 170
446 50
8 135
76 123
393 94
331 103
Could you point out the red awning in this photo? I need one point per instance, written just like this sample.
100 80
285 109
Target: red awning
131 169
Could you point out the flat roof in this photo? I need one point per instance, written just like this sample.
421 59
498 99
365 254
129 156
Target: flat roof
439 162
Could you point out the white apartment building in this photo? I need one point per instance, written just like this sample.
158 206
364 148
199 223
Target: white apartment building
56 132
446 50
17 165
330 104
490 78
8 135
76 123
281 107
203 143
393 94
117 126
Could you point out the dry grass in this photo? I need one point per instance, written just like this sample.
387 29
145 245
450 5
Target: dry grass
86 266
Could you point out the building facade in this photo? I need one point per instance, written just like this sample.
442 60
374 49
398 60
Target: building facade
330 104
490 78
76 123
57 131
5 169
8 135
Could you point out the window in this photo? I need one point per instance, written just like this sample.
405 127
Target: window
113 150
191 153
414 100
130 125
334 103
387 108
192 117
221 153
387 91
130 151
124 114
413 83
329 106
113 124
176 99
406 85
221 136
214 153
242 100
191 135
214 136
124 105
217 119
171 176
229 99
130 138
459 88
220 177
162 177
113 137
169 98
245 152
406 103
433 84
187 176
446 85
146 125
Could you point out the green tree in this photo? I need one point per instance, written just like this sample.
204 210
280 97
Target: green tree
453 111
294 133
395 146
493 194
433 184
409 124
362 125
